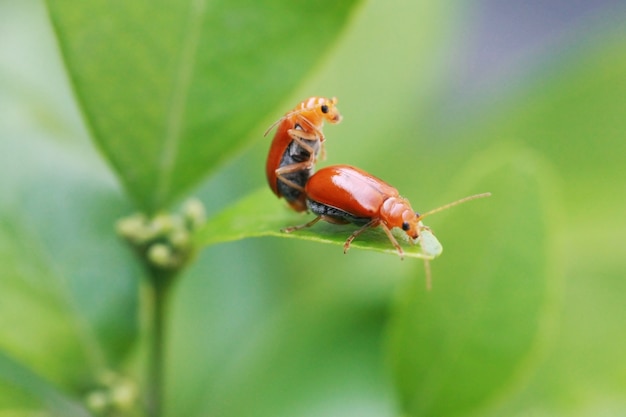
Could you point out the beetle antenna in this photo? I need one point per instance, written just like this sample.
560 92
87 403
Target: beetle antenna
454 203
273 125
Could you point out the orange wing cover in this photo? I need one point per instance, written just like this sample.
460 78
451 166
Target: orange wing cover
349 189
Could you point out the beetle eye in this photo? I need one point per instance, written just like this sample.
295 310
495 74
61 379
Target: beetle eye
405 226
324 108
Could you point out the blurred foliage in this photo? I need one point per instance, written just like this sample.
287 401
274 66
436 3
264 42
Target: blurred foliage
159 85
524 317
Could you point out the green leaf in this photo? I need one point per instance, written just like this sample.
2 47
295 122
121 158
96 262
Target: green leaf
69 286
319 344
329 348
576 118
172 89
580 106
19 376
262 214
468 342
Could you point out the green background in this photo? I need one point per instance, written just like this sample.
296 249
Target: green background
108 108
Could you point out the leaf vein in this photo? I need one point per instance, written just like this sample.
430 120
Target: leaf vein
173 134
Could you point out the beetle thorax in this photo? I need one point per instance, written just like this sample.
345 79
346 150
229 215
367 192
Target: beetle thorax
396 211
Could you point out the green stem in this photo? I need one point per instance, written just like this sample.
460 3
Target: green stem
159 284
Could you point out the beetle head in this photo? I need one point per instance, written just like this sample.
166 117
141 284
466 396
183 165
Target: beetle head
327 110
313 112
397 212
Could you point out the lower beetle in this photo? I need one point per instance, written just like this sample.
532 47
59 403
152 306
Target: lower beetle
344 194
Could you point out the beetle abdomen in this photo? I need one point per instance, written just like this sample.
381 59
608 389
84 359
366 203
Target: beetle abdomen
295 154
340 215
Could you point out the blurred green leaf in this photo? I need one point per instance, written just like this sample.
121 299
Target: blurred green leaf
37 320
69 286
262 214
19 376
314 352
173 89
577 118
468 341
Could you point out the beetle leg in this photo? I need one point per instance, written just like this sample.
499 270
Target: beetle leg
393 240
305 123
302 134
328 219
322 151
370 224
298 166
302 226
291 184
287 169
374 223
315 134
299 136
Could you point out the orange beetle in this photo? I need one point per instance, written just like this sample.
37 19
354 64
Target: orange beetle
295 147
345 194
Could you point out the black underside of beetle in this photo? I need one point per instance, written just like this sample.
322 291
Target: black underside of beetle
287 191
323 210
296 154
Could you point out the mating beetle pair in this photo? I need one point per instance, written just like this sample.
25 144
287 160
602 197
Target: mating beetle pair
339 193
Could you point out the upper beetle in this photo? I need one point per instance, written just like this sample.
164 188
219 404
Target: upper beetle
345 194
295 147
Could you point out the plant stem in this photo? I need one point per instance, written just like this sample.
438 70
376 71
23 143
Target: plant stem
159 284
